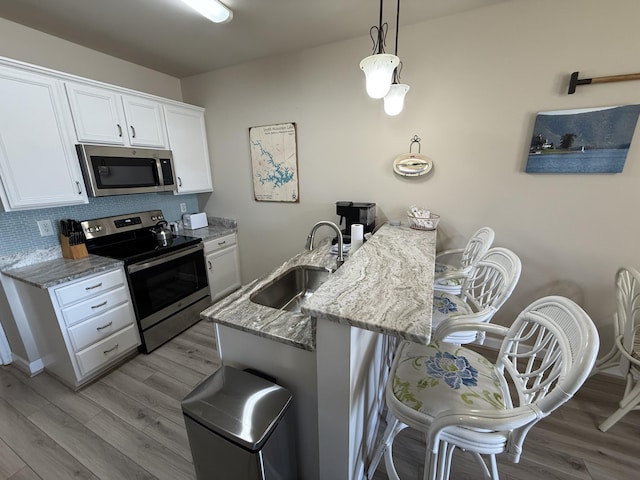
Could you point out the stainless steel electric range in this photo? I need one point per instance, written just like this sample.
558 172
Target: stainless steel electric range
168 284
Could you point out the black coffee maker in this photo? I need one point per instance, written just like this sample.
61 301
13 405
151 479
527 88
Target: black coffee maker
352 212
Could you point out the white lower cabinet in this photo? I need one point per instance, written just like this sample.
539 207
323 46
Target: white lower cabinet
93 325
223 265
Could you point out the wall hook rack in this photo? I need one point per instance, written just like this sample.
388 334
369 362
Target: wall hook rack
574 81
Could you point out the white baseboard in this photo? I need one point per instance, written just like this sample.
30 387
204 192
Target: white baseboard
29 368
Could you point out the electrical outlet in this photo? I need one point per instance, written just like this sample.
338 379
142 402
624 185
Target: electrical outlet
45 227
183 207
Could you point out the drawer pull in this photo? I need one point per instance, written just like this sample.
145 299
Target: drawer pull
111 349
222 242
97 285
99 305
104 326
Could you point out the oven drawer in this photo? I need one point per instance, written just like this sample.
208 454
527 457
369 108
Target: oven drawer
90 287
94 329
220 243
95 306
108 349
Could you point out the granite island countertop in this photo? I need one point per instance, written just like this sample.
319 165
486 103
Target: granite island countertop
386 286
295 329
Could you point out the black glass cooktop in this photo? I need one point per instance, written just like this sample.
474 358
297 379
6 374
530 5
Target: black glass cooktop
137 247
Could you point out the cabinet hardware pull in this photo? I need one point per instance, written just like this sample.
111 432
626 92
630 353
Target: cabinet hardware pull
111 349
95 286
104 326
222 243
133 131
209 263
79 189
119 129
99 305
179 182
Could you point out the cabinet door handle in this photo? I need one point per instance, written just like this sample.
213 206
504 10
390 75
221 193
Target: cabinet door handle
95 286
133 131
119 130
222 243
104 326
79 189
111 349
209 263
179 182
99 305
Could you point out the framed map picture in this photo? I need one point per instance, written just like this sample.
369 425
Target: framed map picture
274 162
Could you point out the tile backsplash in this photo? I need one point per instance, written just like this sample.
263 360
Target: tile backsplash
20 229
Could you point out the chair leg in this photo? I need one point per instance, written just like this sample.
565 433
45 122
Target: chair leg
388 448
631 401
488 474
438 465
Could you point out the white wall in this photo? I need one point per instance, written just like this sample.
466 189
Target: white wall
477 80
31 46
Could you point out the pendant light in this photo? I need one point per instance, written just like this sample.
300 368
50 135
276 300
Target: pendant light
379 67
211 9
394 100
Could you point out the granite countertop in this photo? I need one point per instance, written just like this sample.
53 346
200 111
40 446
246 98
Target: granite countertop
218 227
60 270
295 329
385 287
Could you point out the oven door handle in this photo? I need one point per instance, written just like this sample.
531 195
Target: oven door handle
136 267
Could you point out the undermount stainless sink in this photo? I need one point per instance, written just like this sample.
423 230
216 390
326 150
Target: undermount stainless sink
290 290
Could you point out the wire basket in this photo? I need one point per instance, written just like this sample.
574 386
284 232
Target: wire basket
423 222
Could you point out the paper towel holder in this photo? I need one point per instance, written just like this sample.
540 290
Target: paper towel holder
412 164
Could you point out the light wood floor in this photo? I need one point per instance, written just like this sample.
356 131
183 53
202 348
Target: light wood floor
128 425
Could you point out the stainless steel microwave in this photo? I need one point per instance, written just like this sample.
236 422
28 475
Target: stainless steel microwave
124 170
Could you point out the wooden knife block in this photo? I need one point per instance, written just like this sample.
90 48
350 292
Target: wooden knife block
72 252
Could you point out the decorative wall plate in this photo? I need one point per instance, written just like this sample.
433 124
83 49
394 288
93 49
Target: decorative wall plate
412 164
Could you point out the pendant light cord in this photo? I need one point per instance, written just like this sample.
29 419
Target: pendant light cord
396 72
379 34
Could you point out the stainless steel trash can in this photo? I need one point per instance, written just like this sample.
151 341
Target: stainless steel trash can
238 428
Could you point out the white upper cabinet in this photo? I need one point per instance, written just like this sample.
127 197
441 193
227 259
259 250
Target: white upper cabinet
101 115
38 163
188 143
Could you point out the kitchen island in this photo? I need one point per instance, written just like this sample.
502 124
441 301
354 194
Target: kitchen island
333 355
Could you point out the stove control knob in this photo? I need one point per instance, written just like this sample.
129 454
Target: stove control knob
90 229
153 218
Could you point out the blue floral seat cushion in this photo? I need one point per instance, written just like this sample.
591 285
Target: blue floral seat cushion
444 268
447 305
441 376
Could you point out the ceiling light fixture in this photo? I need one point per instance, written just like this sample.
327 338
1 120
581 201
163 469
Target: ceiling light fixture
379 67
211 9
394 100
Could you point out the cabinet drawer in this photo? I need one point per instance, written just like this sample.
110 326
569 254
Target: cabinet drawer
89 287
220 243
108 349
96 328
95 305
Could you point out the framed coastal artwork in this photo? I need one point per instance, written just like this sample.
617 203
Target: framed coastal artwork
274 162
589 140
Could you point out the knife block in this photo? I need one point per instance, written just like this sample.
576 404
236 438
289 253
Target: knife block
72 252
